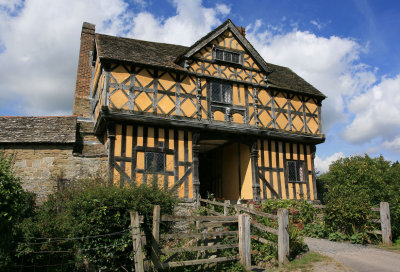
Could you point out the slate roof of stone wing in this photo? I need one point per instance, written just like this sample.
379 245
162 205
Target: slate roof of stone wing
163 55
27 129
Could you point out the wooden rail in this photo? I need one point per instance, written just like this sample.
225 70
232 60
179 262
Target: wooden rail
384 220
282 231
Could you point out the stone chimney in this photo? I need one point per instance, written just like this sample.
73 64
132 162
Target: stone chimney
242 30
84 74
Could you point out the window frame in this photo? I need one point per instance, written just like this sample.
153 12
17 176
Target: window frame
224 51
149 168
299 171
221 92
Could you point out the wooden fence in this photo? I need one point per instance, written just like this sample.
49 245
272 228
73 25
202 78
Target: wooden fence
283 225
241 238
384 220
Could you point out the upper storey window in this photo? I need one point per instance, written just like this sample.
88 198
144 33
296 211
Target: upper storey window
228 56
221 92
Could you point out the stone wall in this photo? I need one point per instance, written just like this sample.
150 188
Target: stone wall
39 165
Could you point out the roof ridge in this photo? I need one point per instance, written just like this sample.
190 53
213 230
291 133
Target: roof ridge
133 39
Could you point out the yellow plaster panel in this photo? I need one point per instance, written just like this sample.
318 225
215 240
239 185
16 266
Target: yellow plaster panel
242 95
310 169
266 154
170 162
203 113
288 151
235 93
273 154
119 99
312 106
302 152
312 125
140 160
281 121
294 151
263 97
181 146
296 103
118 140
120 74
140 136
143 101
150 137
170 182
190 193
181 189
283 183
219 116
245 170
144 79
129 133
264 118
251 111
238 118
297 123
281 100
139 179
280 158
166 81
128 167
187 107
188 84
165 105
189 146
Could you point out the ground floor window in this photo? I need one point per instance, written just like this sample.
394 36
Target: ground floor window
155 162
295 171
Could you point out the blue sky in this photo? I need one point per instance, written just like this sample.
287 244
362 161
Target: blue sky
347 49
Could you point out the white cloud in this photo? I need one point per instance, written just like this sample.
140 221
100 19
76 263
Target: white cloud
322 165
183 28
393 145
330 64
40 39
376 113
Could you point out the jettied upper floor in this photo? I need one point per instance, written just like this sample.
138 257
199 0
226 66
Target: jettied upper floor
220 83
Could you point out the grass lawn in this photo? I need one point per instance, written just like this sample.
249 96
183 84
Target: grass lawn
312 261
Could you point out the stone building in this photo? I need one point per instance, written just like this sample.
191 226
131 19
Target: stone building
214 117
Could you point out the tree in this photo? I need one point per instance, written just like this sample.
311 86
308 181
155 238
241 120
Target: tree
354 184
15 204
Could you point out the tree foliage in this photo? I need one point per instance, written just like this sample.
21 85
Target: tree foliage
15 204
353 185
86 226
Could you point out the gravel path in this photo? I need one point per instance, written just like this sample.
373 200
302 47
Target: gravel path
357 257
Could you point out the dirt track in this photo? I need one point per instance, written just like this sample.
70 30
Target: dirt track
357 257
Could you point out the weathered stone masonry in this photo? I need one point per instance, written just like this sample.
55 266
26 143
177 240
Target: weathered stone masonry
47 148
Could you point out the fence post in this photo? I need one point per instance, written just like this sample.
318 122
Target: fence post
385 224
283 236
244 240
226 206
137 242
156 237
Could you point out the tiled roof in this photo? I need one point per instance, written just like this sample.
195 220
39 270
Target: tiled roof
29 129
163 55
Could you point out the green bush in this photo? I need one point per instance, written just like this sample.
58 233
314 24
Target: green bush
352 186
15 204
100 215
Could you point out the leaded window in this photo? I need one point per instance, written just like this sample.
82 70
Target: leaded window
221 92
155 162
228 56
295 171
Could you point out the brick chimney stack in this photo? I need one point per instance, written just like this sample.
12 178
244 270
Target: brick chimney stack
84 74
242 30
